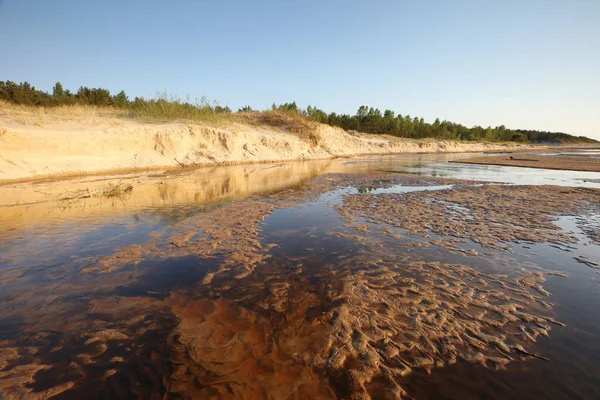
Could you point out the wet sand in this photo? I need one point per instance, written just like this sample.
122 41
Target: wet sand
572 162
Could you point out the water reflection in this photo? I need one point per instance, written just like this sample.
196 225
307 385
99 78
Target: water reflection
513 175
33 205
229 281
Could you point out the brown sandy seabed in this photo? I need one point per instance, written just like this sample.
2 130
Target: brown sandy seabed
268 325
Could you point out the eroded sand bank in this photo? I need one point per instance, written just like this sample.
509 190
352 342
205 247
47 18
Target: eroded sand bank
265 319
57 142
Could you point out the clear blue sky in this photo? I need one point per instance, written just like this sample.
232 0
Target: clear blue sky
523 63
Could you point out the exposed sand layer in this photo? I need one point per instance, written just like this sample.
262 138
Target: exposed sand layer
56 142
266 322
573 163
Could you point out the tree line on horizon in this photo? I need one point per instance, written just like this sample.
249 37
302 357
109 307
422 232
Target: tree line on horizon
367 119
372 120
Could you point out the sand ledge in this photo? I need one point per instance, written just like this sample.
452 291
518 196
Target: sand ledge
86 143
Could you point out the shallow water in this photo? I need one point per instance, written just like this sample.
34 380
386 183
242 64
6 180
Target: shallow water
513 175
595 153
71 267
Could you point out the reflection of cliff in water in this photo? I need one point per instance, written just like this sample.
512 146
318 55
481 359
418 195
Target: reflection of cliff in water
66 201
48 203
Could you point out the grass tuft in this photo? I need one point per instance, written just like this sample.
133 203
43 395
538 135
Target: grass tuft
287 121
116 189
166 108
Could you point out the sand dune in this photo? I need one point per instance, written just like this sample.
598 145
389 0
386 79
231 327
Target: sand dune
37 143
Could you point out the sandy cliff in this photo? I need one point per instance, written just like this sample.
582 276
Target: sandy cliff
50 142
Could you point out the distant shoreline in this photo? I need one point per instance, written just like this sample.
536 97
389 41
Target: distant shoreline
564 163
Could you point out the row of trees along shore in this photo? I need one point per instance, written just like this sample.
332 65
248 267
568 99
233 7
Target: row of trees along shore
367 119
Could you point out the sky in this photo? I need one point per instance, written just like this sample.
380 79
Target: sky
530 64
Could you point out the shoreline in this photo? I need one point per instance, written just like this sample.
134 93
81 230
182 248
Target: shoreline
171 168
59 145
